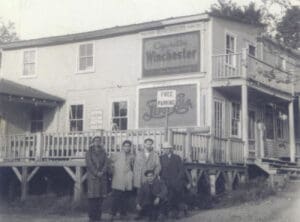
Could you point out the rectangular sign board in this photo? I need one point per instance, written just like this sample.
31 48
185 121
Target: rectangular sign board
183 114
171 54
166 98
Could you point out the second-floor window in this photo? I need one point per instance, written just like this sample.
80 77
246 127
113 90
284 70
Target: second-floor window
235 120
29 63
252 50
230 49
76 118
119 115
86 57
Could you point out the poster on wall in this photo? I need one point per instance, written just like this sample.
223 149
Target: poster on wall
184 113
96 119
171 54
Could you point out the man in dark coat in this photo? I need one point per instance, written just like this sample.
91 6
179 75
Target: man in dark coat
172 173
96 163
151 197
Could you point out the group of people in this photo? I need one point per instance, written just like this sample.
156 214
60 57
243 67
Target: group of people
159 180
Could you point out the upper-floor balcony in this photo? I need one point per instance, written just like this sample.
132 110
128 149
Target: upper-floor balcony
230 67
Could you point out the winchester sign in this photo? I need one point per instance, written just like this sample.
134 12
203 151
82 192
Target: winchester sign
171 54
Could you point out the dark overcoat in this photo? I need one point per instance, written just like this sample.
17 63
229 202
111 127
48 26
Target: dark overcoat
96 161
172 171
148 192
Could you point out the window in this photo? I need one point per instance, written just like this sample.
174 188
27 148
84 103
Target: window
281 118
281 63
119 115
269 122
230 49
252 50
36 120
86 57
251 124
235 119
76 118
29 63
203 114
218 123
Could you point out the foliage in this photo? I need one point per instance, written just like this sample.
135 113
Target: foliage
7 32
247 14
288 30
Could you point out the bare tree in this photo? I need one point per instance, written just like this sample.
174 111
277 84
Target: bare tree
7 32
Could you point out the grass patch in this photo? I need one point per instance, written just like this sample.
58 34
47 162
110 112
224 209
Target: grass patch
253 191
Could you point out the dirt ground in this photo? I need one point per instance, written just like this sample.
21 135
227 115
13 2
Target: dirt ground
284 207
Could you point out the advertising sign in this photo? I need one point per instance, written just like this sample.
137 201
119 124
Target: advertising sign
183 113
171 54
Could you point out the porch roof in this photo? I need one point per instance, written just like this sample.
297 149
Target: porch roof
13 91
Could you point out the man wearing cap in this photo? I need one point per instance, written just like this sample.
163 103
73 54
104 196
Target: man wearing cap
146 159
172 173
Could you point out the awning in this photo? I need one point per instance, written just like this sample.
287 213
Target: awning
15 92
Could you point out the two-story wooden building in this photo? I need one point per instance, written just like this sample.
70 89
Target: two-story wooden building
235 97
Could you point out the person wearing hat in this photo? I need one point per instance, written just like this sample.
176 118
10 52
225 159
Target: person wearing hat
146 159
97 166
151 198
172 173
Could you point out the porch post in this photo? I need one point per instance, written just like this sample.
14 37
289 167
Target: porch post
210 157
292 131
245 120
24 183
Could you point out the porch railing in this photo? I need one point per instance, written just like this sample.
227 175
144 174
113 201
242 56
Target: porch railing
192 146
228 150
228 66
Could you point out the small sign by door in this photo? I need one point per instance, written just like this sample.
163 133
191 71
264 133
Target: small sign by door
166 98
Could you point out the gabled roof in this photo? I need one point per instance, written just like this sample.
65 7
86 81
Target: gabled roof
15 90
104 33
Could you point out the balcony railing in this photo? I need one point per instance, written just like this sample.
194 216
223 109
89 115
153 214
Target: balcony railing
238 65
192 146
227 66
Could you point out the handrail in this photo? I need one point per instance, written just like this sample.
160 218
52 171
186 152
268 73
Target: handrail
195 146
267 64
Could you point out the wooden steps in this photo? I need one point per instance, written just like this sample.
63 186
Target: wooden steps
276 167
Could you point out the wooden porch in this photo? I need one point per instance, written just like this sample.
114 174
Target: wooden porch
191 144
204 155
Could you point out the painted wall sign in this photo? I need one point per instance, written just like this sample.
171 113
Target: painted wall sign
166 98
184 113
171 54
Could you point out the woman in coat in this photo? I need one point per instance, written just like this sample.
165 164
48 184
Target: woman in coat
96 163
122 179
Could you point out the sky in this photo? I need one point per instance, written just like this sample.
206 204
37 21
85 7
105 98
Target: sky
41 18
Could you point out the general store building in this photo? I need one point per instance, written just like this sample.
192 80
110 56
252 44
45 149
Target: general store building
228 80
